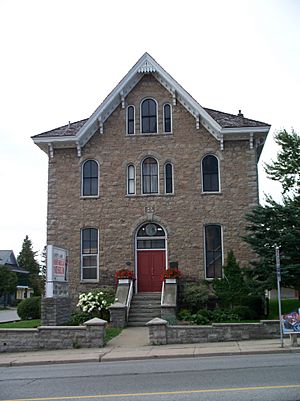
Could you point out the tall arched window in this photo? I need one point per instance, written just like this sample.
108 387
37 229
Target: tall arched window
167 118
210 174
130 120
89 254
150 176
90 178
131 179
149 116
213 251
168 178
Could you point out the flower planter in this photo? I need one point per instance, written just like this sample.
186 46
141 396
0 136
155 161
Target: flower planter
171 280
124 281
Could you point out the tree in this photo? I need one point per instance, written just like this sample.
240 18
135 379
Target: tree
27 260
279 223
8 282
232 288
286 169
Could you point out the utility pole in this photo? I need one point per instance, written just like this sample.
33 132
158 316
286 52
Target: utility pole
278 274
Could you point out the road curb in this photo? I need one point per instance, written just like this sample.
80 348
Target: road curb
105 358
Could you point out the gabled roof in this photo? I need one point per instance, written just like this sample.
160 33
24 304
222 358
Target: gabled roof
217 123
7 258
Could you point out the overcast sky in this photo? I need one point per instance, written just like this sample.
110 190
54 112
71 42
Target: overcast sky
60 59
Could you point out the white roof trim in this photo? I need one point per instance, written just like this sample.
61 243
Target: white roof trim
245 130
146 64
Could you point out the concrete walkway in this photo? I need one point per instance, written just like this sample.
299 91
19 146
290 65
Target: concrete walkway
8 315
132 344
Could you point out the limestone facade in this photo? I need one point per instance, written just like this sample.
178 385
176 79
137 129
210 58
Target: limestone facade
183 214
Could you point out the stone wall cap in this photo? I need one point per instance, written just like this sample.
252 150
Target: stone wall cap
157 321
95 322
61 328
117 305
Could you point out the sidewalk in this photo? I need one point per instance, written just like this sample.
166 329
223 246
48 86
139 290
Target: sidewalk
130 345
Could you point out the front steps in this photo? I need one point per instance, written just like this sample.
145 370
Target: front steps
144 307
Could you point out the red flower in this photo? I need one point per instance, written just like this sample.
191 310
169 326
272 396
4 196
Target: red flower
124 273
172 273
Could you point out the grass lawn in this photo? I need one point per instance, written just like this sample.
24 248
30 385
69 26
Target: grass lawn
21 324
111 332
287 305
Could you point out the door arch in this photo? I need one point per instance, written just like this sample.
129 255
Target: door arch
151 256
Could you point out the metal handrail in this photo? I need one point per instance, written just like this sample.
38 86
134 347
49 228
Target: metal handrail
129 297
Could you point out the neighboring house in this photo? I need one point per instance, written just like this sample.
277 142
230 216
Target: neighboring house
7 258
151 178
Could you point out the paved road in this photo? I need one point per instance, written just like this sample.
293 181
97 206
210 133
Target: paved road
259 377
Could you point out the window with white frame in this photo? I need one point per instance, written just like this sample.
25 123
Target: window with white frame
130 120
149 176
90 178
148 116
168 178
130 179
89 254
213 251
167 118
210 174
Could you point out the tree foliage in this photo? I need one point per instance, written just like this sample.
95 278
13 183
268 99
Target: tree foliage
232 288
8 281
27 259
286 169
279 223
271 225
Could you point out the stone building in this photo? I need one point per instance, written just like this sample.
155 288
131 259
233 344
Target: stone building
151 179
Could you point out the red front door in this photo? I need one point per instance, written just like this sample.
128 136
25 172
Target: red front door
150 267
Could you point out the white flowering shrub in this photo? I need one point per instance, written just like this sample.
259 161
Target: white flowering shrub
96 302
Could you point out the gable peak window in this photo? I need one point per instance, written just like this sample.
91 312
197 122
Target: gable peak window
167 118
210 174
150 176
149 116
90 178
213 251
130 120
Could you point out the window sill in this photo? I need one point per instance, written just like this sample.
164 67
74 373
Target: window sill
89 281
141 135
149 195
211 193
90 197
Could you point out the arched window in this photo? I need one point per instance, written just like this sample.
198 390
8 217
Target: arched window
213 251
151 236
167 118
210 174
131 179
150 176
168 178
149 116
89 254
90 178
130 120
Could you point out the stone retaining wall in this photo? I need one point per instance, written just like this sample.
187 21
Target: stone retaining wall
54 337
161 333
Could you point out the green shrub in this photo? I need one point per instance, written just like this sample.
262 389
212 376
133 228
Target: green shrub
255 303
223 315
96 302
244 313
194 296
198 318
171 319
30 308
184 314
77 318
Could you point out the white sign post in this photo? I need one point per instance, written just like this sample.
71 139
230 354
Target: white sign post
278 275
57 268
